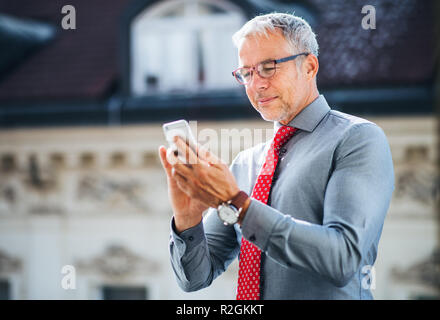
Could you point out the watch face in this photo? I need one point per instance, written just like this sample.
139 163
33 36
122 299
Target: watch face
227 214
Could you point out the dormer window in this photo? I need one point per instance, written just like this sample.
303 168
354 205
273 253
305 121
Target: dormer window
184 46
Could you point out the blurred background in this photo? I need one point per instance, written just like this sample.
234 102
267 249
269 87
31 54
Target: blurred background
85 87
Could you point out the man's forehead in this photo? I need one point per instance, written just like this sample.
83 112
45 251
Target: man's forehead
259 47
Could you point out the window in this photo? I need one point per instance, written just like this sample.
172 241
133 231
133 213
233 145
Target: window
181 46
124 293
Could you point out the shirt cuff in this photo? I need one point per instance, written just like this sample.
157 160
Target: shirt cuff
189 238
258 223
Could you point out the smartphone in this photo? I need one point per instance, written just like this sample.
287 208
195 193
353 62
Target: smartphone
179 128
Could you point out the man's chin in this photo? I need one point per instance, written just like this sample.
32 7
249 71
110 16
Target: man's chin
270 116
272 112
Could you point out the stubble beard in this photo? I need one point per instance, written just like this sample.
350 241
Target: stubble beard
285 113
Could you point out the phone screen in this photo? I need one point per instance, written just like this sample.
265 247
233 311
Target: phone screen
178 128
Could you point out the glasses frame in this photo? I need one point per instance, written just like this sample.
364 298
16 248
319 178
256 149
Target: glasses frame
255 67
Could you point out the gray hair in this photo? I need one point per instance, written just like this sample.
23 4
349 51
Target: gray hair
297 32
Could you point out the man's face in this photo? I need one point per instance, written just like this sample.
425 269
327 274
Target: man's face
282 96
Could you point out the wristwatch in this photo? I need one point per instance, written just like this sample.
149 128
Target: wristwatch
230 211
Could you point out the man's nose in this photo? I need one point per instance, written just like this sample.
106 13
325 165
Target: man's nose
258 82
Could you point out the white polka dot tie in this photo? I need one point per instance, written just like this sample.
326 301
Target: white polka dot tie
250 256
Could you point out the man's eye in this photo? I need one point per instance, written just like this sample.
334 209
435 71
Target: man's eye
267 71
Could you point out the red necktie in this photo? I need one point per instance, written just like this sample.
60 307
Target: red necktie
250 256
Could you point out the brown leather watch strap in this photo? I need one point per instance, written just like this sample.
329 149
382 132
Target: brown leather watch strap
239 200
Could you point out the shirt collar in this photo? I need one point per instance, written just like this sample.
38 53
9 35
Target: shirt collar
309 117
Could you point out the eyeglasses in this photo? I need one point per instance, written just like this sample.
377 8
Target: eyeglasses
265 69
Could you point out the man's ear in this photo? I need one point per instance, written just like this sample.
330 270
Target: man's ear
311 65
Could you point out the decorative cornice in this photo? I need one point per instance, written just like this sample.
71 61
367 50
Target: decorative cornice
426 272
118 261
419 185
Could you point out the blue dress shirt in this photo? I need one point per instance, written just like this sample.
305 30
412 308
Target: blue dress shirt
320 231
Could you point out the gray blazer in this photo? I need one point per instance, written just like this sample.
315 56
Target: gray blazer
320 231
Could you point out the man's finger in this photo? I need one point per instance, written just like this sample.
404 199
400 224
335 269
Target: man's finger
181 181
190 155
163 159
171 156
179 166
207 156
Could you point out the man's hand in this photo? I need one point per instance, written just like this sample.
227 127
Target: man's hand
204 176
187 211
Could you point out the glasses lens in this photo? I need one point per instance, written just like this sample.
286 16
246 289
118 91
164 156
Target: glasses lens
266 69
243 75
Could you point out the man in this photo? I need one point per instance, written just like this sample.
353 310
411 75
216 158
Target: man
304 211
